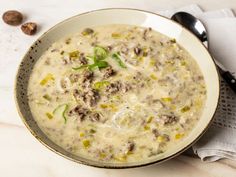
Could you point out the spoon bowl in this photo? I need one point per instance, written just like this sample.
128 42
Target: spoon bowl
192 23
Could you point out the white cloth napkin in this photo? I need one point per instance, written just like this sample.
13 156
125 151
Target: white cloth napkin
220 139
218 142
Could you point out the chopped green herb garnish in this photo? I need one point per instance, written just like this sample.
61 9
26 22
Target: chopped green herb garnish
90 58
100 53
116 57
99 64
64 107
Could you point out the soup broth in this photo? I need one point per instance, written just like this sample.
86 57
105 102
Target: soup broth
116 93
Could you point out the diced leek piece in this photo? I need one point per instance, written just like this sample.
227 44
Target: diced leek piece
102 155
46 79
68 40
183 63
81 134
47 97
103 106
116 97
179 136
163 138
128 36
100 85
129 152
62 52
172 107
120 158
140 59
170 62
74 54
92 131
153 76
145 51
152 62
149 120
87 31
166 99
160 139
185 109
146 127
112 106
198 102
173 40
116 35
86 143
49 115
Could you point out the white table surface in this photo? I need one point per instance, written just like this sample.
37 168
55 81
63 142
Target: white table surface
21 155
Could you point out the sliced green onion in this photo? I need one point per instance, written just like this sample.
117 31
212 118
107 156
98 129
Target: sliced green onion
89 58
116 57
65 108
80 67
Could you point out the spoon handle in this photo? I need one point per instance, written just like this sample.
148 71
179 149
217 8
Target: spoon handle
228 77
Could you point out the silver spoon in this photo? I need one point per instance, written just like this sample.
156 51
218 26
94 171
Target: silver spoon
197 28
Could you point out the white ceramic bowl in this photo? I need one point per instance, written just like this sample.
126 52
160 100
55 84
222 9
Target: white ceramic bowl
120 16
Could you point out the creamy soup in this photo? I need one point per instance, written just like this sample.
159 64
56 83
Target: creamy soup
116 93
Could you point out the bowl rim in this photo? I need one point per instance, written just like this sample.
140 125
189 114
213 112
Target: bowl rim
100 165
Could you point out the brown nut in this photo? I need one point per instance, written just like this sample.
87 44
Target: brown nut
12 17
29 28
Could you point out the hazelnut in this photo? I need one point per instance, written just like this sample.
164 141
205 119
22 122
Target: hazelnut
12 17
29 28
